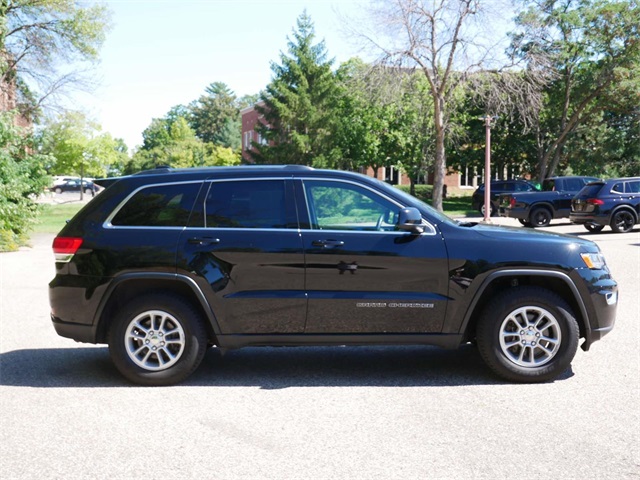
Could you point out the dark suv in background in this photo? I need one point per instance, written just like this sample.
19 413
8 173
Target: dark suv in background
498 187
165 263
614 202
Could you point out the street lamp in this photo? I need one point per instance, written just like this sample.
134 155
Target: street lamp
487 168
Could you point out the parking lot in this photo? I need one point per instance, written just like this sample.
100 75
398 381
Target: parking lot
316 413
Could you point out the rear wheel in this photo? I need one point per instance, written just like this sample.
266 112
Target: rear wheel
157 340
528 334
540 217
593 227
622 221
525 223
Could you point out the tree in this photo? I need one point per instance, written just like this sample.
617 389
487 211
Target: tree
437 37
215 116
39 39
170 141
592 48
22 179
298 104
78 147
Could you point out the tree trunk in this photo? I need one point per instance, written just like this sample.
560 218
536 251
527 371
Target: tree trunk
440 164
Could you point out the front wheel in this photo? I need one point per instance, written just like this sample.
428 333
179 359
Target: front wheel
527 334
157 340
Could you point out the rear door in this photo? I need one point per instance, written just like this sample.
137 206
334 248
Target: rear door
362 274
244 250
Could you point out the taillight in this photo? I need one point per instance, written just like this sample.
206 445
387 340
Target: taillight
64 248
594 201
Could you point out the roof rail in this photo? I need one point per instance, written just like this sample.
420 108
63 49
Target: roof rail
155 171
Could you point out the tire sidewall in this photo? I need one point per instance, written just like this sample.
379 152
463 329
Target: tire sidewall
194 333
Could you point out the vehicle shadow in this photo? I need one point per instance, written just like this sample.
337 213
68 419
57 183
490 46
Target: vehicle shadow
264 367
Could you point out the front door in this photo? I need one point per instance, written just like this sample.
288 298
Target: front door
362 274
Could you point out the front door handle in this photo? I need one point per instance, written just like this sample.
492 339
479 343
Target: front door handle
203 241
327 243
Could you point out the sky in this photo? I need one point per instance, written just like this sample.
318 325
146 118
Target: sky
159 53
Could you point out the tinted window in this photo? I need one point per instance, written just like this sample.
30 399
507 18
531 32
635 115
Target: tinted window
618 188
159 206
501 187
633 187
573 184
591 191
249 204
343 206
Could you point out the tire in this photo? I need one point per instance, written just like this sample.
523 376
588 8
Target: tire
593 227
523 316
540 217
150 320
58 190
492 210
524 223
622 221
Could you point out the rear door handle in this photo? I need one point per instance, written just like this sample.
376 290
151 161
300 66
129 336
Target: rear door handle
203 241
327 243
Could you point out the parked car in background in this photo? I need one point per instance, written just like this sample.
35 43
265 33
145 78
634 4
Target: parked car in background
614 202
537 209
498 187
74 185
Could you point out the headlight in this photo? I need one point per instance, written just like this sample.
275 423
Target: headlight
594 261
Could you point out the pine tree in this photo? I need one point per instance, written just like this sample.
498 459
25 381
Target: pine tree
297 105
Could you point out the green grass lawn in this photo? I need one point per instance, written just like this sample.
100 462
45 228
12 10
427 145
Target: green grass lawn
54 216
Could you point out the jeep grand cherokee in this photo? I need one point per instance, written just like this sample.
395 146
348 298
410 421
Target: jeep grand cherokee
165 263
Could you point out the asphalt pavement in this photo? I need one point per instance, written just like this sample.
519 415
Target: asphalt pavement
314 413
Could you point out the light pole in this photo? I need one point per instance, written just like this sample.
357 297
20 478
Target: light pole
487 168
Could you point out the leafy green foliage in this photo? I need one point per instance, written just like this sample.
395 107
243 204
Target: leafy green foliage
39 36
215 116
590 51
79 148
170 141
298 104
22 180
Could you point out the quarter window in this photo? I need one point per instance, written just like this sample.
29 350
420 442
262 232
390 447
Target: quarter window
158 206
344 206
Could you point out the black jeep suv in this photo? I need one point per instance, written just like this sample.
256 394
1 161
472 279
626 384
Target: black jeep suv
165 263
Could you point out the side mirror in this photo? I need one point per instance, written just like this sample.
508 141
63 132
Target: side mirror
410 220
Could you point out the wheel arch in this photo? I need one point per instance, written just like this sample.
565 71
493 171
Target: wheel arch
626 207
129 286
557 282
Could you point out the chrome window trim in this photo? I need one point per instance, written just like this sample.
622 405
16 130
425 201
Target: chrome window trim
107 223
429 229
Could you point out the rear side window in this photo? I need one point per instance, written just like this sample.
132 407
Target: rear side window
158 206
574 184
249 204
618 188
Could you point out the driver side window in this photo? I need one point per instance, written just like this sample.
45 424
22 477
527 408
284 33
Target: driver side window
344 206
